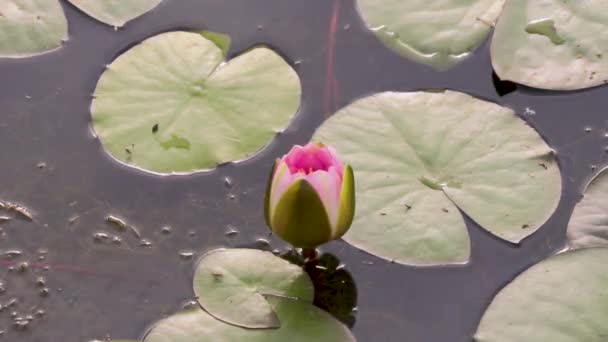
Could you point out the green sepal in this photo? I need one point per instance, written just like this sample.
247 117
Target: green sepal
268 192
222 41
300 217
346 212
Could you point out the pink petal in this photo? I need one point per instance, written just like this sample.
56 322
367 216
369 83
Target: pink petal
281 181
328 185
312 157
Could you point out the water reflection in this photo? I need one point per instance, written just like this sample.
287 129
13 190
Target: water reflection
335 288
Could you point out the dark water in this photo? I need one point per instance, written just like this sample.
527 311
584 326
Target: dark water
96 289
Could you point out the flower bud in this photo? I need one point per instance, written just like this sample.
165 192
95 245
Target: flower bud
310 196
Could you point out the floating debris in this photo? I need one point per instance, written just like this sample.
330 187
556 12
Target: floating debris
19 210
166 230
101 237
73 219
23 267
117 222
186 255
20 323
231 231
11 254
12 302
40 282
529 111
145 243
190 304
122 225
262 242
4 219
228 182
41 165
135 232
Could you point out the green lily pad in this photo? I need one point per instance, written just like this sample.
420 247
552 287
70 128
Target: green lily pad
421 157
562 299
439 33
588 226
231 284
171 105
31 27
115 12
552 44
301 322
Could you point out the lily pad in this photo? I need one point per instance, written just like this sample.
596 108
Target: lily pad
588 226
31 27
171 105
115 12
301 322
562 299
439 33
231 284
552 44
420 158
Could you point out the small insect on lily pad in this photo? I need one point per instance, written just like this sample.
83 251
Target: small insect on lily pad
552 44
301 322
172 105
588 226
562 299
31 27
439 33
115 12
231 284
420 158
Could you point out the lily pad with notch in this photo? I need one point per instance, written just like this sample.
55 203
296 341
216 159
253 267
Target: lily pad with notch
302 322
421 158
553 44
561 299
588 226
439 33
231 284
172 105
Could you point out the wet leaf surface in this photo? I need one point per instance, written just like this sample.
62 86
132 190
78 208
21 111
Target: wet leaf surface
552 44
232 285
31 27
422 157
171 105
437 32
301 322
115 12
561 299
588 226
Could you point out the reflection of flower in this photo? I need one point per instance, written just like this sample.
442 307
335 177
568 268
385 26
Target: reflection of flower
310 197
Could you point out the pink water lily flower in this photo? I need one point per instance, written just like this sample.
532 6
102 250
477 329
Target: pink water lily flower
310 197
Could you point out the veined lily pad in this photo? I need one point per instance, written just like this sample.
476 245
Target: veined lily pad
588 226
435 32
562 299
421 157
31 27
301 322
231 285
115 12
171 105
552 44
